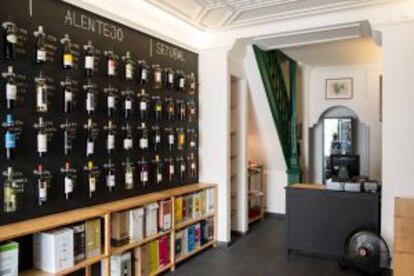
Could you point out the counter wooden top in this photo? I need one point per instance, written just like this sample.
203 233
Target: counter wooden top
307 186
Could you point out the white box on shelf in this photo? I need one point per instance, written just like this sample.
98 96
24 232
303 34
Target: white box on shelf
136 224
9 259
53 250
121 264
151 219
210 201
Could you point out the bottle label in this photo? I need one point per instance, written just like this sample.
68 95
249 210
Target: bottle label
171 139
92 183
159 177
41 55
158 76
157 138
144 74
128 143
192 144
90 102
143 143
111 101
41 143
68 96
192 85
111 67
144 176
68 60
89 62
129 179
170 78
128 104
182 82
193 166
171 168
143 106
41 99
90 147
182 168
11 38
181 139
111 142
68 185
11 91
43 191
10 140
129 72
192 111
158 107
110 180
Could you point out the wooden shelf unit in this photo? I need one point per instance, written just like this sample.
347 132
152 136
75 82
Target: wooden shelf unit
257 193
104 212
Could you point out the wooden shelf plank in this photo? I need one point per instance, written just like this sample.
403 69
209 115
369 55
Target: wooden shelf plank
31 226
256 218
76 267
195 251
256 194
133 202
126 247
188 189
192 221
161 270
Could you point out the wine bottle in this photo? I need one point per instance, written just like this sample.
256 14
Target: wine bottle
143 141
41 52
41 94
192 85
171 169
90 143
110 101
67 52
110 138
181 139
92 178
10 40
89 59
143 176
143 106
157 78
158 108
111 63
67 97
157 138
110 176
11 88
42 183
128 142
182 110
10 192
181 161
170 109
171 139
10 138
68 180
129 175
41 138
143 72
158 170
128 103
129 66
90 98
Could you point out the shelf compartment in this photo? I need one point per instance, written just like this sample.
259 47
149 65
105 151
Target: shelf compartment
161 269
192 221
76 267
131 245
201 248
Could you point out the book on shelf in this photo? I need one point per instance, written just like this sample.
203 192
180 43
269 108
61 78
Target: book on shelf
121 264
196 205
153 256
178 244
164 251
184 245
165 215
79 242
9 259
197 231
207 230
178 210
191 238
120 228
210 201
184 209
136 224
136 257
151 219
93 237
203 206
143 253
53 250
189 207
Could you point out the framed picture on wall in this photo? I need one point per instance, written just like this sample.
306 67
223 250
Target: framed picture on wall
339 89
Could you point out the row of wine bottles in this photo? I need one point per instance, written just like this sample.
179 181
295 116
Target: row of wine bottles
141 173
140 70
139 137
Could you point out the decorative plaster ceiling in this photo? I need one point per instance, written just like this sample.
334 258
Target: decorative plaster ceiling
221 14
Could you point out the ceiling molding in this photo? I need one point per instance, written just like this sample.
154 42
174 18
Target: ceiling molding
216 15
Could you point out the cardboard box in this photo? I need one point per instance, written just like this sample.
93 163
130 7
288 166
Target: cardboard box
53 250
136 224
9 259
144 250
121 264
165 215
120 228
178 210
93 237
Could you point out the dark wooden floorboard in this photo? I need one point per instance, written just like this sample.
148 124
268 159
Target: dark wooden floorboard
262 252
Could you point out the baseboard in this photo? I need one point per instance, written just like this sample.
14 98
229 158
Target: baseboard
275 215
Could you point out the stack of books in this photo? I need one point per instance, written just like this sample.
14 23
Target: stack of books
193 206
136 224
152 256
193 237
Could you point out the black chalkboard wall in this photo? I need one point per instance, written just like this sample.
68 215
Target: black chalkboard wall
57 19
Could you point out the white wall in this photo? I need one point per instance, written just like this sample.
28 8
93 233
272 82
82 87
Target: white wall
365 103
264 145
398 127
213 130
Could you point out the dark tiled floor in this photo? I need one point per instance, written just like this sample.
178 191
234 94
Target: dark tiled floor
262 252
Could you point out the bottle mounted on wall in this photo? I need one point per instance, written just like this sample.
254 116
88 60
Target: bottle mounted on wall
11 88
10 40
67 57
89 59
40 49
41 94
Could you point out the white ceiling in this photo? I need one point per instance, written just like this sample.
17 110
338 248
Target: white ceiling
362 51
222 14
